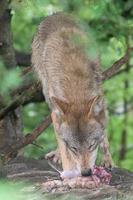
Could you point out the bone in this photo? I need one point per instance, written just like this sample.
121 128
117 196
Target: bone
70 174
77 182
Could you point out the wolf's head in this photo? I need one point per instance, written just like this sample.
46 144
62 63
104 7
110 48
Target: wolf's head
81 130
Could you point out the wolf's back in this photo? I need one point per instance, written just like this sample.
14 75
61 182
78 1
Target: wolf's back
47 27
61 62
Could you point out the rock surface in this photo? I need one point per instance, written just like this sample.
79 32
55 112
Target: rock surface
38 172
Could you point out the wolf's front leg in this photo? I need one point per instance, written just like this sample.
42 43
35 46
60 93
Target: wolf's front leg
107 158
54 156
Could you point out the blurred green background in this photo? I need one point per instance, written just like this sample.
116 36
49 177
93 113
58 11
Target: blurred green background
111 24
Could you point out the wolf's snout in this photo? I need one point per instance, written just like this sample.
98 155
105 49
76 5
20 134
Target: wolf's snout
86 172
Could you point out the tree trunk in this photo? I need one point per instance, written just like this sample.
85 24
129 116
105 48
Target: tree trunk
11 125
124 135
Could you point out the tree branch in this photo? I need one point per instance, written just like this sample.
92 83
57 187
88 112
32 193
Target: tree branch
28 139
114 69
26 71
22 99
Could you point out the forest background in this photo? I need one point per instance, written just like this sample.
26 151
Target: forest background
110 24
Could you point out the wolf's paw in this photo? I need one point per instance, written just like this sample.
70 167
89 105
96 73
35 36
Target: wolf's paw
107 162
54 156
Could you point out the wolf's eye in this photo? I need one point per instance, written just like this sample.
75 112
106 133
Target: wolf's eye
92 146
74 150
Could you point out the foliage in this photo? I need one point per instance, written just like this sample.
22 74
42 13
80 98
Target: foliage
111 23
9 80
18 191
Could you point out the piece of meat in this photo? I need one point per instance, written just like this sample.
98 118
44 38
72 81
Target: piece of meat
102 174
73 179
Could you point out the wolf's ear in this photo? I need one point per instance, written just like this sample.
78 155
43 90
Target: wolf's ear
96 105
61 105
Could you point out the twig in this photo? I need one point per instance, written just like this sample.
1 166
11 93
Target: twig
53 167
37 145
26 70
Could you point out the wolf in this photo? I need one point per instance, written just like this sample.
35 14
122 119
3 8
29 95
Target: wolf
72 86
